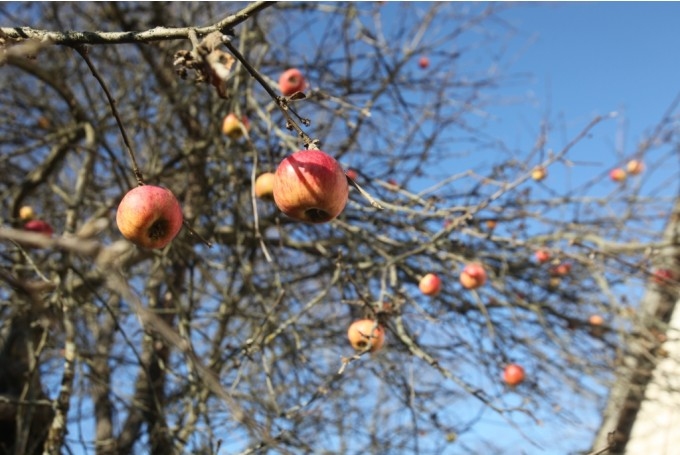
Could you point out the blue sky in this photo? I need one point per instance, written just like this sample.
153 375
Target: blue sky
592 58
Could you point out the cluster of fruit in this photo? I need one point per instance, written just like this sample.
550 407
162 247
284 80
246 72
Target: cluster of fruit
619 174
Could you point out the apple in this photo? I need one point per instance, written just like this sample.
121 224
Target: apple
635 167
366 335
491 224
40 226
351 173
539 173
264 185
393 184
424 62
291 81
561 269
473 276
26 213
662 276
310 186
149 216
233 127
430 284
542 256
617 175
596 320
513 374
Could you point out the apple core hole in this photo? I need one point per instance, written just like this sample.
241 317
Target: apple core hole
293 80
362 344
317 215
158 229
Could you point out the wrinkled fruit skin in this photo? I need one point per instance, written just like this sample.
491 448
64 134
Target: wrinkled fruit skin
430 284
513 375
149 216
366 335
264 185
291 81
473 276
310 186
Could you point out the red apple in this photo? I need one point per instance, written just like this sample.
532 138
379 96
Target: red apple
617 175
40 226
310 186
542 256
596 320
473 276
233 127
351 173
424 62
539 173
491 224
366 335
149 216
430 284
662 276
291 81
561 269
635 167
513 374
26 213
264 185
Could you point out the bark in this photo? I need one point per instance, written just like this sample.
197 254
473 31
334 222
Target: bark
640 360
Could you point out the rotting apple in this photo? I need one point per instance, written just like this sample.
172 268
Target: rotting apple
233 127
473 276
291 81
430 284
542 256
149 216
617 175
635 167
513 374
310 186
264 185
366 335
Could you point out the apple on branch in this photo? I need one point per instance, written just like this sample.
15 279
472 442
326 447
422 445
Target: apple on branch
430 284
473 276
149 216
617 175
513 374
539 173
40 226
264 185
424 62
366 335
26 213
233 127
291 81
635 167
310 186
542 256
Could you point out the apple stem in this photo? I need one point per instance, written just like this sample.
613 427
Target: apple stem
82 50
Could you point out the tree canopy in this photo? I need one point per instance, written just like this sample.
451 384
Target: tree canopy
233 338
